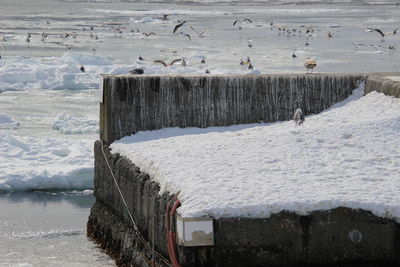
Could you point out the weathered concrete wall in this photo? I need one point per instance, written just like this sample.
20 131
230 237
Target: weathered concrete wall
339 237
109 222
146 102
384 84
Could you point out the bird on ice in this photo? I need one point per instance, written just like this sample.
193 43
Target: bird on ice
137 71
82 68
310 64
298 117
164 17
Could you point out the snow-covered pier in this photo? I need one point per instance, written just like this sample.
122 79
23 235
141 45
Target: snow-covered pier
150 102
208 179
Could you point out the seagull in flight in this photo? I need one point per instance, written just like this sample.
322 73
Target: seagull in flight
200 34
241 20
383 34
186 35
178 25
172 62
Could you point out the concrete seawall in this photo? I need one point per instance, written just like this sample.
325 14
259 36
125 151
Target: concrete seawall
134 103
338 237
389 84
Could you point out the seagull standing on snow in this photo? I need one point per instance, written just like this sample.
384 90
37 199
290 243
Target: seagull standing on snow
298 117
310 64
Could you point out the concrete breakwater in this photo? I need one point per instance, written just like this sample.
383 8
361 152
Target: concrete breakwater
135 103
338 237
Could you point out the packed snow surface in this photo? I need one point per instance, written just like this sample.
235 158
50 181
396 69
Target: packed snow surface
6 122
28 163
347 156
70 124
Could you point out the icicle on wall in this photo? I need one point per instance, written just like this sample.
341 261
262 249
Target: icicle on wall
134 103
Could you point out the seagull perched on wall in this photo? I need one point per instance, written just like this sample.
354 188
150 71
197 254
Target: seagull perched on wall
298 117
310 64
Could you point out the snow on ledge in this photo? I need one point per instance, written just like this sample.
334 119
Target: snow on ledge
393 78
346 156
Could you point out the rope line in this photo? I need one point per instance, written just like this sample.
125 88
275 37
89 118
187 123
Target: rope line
136 229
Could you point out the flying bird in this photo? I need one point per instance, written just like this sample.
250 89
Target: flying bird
186 35
383 34
298 117
310 64
178 26
161 62
241 20
200 34
175 61
172 62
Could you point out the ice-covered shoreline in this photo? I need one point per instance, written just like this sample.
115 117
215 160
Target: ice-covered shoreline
63 73
29 163
346 156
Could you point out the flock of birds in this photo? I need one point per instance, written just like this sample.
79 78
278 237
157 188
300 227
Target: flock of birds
306 31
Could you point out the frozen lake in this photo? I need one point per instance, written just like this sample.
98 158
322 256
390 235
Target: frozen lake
49 107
